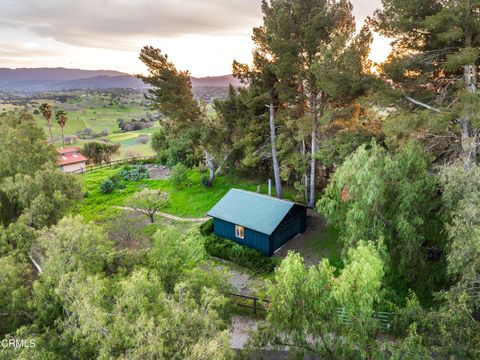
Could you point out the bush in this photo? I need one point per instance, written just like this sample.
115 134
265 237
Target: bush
134 173
205 180
179 174
107 186
238 254
206 228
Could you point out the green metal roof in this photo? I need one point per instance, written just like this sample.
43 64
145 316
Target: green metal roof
252 210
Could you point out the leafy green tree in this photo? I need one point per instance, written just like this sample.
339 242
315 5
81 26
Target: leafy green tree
99 152
30 183
239 113
435 64
23 146
179 175
305 302
61 117
70 246
143 320
16 238
173 150
461 196
14 291
148 202
376 195
43 198
46 111
337 149
173 255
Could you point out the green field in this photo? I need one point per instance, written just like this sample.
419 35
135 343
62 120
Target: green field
95 110
192 200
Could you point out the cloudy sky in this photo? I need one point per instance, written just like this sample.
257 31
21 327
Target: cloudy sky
203 36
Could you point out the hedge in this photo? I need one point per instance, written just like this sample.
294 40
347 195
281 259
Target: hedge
206 228
238 254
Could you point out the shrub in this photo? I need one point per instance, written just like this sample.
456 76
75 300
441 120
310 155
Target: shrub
179 174
134 173
239 254
205 180
107 186
206 228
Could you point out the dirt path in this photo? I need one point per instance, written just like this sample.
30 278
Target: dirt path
158 172
168 216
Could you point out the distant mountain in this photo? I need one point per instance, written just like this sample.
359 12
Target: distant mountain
55 79
49 74
215 81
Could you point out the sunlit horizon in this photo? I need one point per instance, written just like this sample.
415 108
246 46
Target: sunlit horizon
202 42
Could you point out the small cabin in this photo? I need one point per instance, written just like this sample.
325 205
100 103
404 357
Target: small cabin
261 222
70 160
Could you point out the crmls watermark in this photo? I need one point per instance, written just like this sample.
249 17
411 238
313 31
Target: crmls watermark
17 343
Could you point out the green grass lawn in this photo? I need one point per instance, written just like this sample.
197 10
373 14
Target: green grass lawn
324 244
188 201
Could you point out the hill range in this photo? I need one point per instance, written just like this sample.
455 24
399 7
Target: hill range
57 79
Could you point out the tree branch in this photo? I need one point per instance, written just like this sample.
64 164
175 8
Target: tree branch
419 103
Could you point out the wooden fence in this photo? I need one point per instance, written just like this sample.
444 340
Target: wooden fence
384 318
250 302
111 164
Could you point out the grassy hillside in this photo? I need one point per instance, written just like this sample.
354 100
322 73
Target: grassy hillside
95 110
192 200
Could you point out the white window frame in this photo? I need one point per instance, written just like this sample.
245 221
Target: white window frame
239 231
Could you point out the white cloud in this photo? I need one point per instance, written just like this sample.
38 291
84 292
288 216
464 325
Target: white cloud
203 36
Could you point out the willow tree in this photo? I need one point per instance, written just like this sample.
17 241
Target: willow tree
299 37
435 63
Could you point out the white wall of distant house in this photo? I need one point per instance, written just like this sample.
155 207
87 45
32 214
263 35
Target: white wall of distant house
74 167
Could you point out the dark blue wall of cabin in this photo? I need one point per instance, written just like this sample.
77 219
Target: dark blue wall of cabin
252 238
294 223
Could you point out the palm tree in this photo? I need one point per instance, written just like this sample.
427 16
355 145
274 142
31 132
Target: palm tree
46 111
61 117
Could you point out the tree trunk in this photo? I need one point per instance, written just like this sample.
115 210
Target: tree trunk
63 138
276 166
313 160
469 133
305 175
211 167
50 130
152 217
219 169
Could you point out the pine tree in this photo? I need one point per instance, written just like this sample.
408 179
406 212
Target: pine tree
187 123
306 42
435 62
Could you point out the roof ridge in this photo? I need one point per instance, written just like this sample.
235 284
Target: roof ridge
265 196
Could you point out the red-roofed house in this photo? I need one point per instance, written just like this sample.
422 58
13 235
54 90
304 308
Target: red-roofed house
71 160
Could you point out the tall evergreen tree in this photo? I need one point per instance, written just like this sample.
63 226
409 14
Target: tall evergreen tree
297 37
186 121
435 62
262 82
